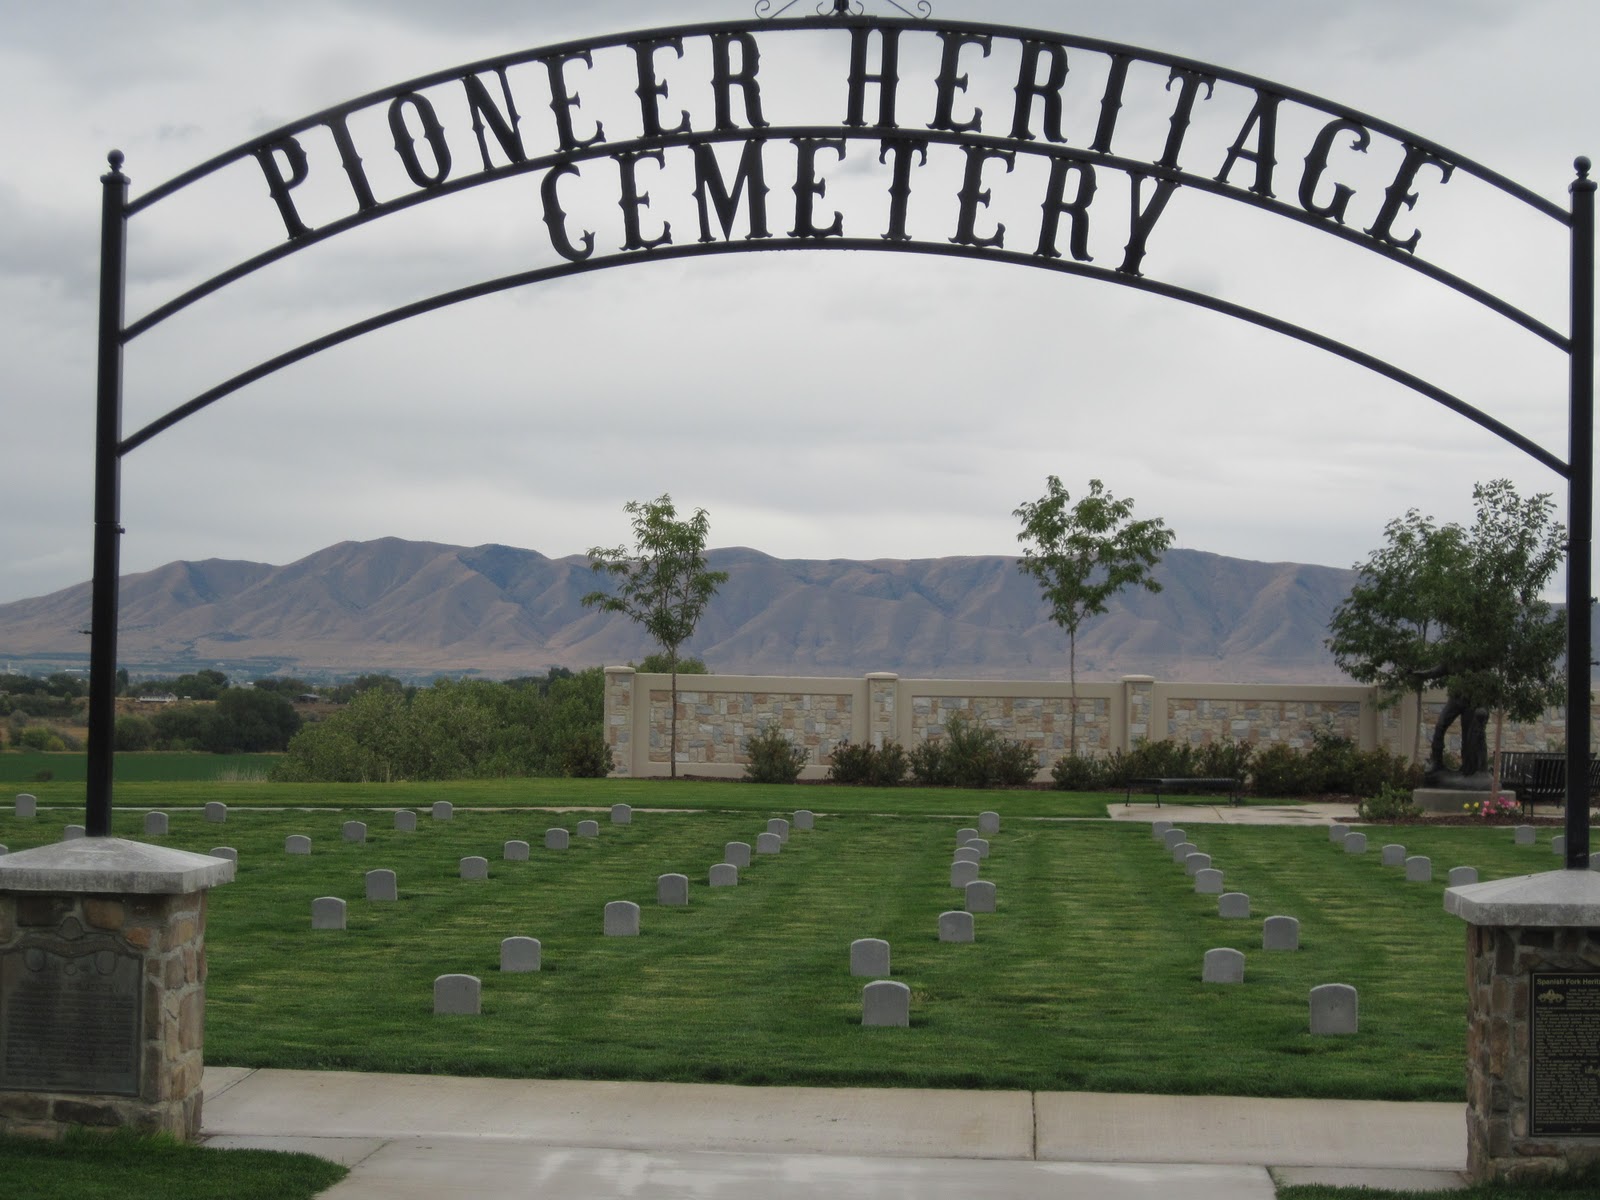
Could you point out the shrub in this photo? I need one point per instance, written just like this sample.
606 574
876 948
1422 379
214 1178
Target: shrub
40 737
1388 804
1073 773
772 758
1332 765
874 766
134 733
586 756
973 757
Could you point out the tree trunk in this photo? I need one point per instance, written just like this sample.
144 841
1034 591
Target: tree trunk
672 751
1072 678
1416 747
1499 730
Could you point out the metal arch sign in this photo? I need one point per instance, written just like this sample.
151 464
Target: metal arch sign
522 116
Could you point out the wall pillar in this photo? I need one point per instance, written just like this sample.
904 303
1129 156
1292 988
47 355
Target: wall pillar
619 708
102 986
1533 1024
1139 713
883 689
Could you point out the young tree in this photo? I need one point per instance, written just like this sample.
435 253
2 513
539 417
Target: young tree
1083 554
662 583
1497 643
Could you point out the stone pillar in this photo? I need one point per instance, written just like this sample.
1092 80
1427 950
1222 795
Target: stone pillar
1139 693
1533 1023
619 720
102 986
883 687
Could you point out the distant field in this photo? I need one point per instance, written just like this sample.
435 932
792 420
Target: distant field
71 768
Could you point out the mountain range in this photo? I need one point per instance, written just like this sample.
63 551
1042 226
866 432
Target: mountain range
420 608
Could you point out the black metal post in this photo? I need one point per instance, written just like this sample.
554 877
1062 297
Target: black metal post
107 500
1580 520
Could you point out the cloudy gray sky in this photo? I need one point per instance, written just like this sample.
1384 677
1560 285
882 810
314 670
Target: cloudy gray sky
817 405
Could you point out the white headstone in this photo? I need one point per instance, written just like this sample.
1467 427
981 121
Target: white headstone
457 996
968 854
216 812
988 823
1558 844
1158 829
980 896
1419 869
515 851
955 927
155 824
382 886
1182 850
4 851
622 919
227 852
27 805
1233 906
327 912
804 819
737 854
1208 882
1464 875
780 827
518 954
1173 837
73 832
474 867
724 875
1194 863
406 821
964 834
443 810
555 839
621 814
981 845
1223 965
1394 855
1334 1009
963 873
672 890
1337 833
297 843
768 843
1525 835
1355 843
588 829
354 831
869 957
1280 933
886 1002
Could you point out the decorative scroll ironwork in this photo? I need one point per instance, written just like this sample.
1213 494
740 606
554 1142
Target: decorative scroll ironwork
842 8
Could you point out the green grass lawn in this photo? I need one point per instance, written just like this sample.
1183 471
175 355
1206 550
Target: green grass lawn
1087 978
25 769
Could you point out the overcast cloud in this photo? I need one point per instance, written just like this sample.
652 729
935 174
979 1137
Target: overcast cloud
817 405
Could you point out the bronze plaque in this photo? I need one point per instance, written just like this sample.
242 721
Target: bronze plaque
70 1017
1564 1055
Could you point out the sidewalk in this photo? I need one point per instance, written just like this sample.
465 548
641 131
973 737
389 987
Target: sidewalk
418 1136
1286 813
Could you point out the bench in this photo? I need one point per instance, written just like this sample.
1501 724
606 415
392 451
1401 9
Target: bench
1173 784
1540 777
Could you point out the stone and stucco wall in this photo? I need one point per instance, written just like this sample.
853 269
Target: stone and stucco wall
716 713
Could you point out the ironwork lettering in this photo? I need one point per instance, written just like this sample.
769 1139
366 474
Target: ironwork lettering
1111 103
808 188
651 91
556 218
506 124
710 191
1396 197
1030 89
974 196
724 78
1143 218
1056 205
633 200
295 156
949 83
406 146
352 162
1183 110
562 102
904 151
887 77
1317 163
1263 119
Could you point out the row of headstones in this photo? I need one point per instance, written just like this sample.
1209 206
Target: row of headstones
1527 835
1333 1005
1418 867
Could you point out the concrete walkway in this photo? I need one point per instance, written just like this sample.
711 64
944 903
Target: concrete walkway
427 1137
1233 814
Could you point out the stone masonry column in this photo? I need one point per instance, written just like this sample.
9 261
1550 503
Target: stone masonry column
619 720
1139 692
1533 1023
883 687
102 986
